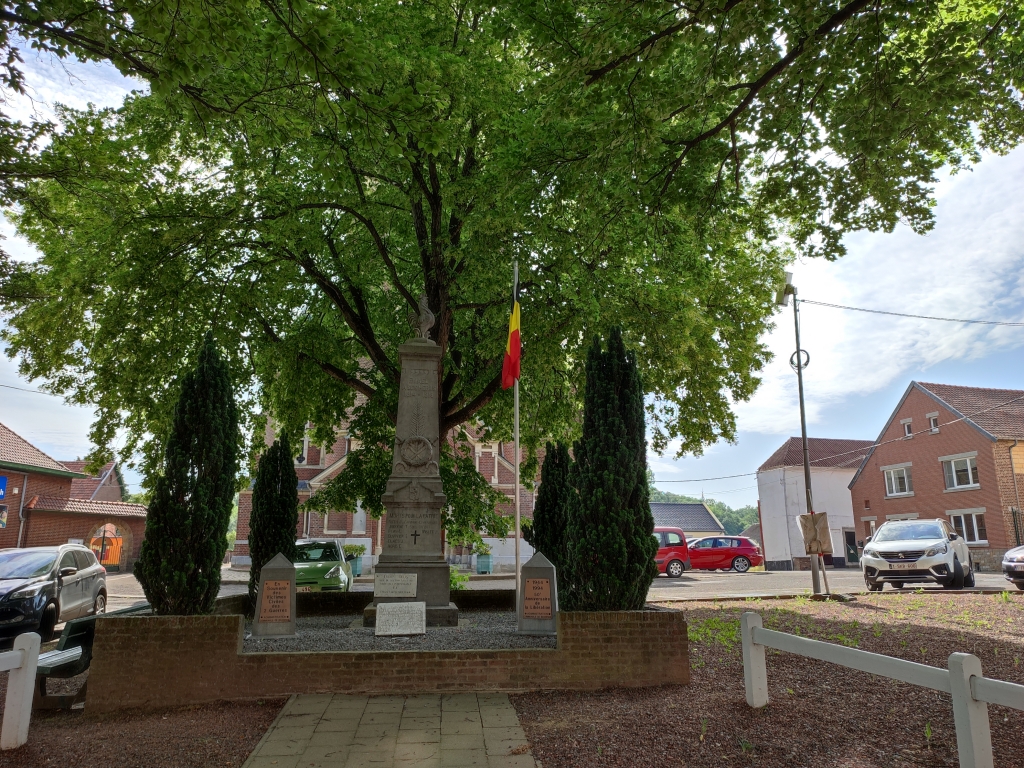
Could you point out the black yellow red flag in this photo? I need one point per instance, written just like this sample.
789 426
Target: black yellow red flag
510 366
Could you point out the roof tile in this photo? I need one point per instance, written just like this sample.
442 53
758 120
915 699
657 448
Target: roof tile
1000 412
689 517
86 507
823 452
15 449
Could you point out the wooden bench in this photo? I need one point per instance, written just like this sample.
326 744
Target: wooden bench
70 658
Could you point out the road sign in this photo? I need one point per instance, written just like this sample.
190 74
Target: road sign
3 487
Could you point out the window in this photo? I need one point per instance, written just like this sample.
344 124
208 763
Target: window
908 429
3 516
933 423
659 537
84 559
898 482
704 544
674 539
867 503
971 526
334 522
961 473
869 527
67 560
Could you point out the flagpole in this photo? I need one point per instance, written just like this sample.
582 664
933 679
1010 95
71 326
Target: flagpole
516 457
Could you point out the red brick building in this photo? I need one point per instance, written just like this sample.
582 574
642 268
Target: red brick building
47 502
316 465
953 453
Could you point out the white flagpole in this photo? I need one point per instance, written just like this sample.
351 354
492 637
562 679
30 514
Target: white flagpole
515 283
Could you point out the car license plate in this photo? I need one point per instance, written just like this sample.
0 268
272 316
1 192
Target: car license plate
303 589
909 566
1019 567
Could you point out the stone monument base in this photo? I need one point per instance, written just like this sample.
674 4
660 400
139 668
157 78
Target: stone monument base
437 615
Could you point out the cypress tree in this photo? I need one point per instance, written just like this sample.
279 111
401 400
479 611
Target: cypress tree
547 532
187 521
610 543
275 510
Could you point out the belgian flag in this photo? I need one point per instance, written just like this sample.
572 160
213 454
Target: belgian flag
510 367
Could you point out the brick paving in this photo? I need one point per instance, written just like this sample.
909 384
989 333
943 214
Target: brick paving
428 731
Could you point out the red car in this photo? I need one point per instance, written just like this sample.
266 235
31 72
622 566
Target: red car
725 552
673 557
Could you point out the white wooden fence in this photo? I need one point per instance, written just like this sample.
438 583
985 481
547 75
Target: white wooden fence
972 693
21 663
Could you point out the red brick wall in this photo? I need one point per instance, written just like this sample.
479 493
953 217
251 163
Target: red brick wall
47 529
182 660
931 499
38 485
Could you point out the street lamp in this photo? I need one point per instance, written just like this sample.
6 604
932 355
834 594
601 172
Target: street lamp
798 361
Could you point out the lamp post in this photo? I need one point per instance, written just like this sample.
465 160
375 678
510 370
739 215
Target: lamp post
799 360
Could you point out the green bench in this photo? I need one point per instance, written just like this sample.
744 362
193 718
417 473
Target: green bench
70 658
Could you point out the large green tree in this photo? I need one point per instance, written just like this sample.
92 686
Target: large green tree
547 532
298 175
187 521
274 518
609 565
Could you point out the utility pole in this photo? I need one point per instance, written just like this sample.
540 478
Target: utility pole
798 362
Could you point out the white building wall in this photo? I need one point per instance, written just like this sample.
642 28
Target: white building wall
782 499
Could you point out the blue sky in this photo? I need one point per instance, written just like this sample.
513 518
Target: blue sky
969 266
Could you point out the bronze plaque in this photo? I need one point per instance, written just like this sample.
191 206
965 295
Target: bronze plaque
276 601
537 599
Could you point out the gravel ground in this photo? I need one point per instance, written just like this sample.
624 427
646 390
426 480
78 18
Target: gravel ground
820 715
192 737
476 631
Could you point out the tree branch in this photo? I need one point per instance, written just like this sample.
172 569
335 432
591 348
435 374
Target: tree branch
452 420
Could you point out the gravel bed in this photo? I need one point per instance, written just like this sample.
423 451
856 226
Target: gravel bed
819 714
479 630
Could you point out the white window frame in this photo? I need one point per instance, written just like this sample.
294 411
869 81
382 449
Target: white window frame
971 457
933 422
890 474
327 520
908 428
969 525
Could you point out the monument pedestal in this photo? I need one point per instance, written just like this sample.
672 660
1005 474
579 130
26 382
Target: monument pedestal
412 567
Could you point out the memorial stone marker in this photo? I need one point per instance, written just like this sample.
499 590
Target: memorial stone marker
275 602
414 497
538 599
401 619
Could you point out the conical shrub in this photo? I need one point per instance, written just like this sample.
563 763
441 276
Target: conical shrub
275 510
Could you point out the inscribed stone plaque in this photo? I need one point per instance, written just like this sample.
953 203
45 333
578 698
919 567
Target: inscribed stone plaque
401 619
276 601
537 600
394 585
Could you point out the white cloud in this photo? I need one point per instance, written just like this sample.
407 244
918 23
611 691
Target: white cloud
969 266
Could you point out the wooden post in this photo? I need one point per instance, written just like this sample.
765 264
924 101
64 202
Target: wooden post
20 687
973 738
755 671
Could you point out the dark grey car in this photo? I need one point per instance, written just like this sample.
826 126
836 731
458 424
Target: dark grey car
41 586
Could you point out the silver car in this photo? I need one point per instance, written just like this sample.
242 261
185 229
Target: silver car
1013 567
916 551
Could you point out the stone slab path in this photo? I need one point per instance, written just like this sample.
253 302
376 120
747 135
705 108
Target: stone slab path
459 730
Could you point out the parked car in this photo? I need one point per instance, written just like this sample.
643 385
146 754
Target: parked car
1013 567
737 553
673 556
40 586
915 551
321 566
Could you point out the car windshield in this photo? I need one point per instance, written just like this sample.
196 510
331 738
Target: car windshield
24 564
909 532
317 552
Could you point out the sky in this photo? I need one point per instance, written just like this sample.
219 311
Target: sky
968 266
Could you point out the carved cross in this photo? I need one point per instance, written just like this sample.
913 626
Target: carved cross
415 535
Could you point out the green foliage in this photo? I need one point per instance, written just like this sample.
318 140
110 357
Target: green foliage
715 631
275 510
610 558
457 580
547 532
355 550
187 523
735 521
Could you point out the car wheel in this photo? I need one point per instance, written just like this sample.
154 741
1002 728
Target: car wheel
896 584
969 578
674 569
741 565
48 622
100 605
957 582
1019 585
874 586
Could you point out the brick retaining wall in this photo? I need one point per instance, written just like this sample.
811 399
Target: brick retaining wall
181 660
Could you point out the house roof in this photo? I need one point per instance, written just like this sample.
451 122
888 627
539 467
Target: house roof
689 517
86 487
999 412
823 452
19 454
86 507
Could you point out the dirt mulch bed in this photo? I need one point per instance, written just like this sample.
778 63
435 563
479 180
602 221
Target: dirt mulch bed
191 737
820 714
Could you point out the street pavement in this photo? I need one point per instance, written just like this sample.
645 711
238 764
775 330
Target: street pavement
124 591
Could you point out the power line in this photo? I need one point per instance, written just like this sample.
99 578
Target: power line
33 391
706 479
903 314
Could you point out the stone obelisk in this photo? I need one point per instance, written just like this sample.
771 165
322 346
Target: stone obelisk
411 567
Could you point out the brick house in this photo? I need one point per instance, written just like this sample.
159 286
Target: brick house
317 465
47 502
949 452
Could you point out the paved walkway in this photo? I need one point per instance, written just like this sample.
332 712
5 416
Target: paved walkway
427 731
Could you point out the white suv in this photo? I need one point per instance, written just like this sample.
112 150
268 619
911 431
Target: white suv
913 551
